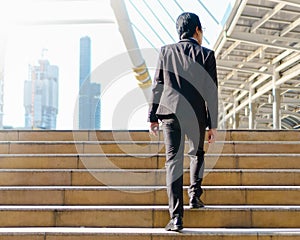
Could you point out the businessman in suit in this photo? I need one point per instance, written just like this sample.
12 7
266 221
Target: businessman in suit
185 100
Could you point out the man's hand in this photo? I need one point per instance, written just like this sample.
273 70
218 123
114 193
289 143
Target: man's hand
212 134
154 128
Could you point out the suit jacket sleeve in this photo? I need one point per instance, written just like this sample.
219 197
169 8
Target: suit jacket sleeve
157 89
212 101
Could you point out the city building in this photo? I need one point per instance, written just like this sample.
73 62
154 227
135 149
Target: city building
41 96
89 93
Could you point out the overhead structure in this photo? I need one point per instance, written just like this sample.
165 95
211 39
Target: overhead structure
258 62
154 23
139 66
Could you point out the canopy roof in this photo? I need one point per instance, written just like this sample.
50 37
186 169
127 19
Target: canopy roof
258 56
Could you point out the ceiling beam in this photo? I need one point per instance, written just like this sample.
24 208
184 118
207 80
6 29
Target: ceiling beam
233 88
290 100
256 66
230 49
244 69
231 23
265 40
236 13
289 74
266 17
288 63
293 3
290 27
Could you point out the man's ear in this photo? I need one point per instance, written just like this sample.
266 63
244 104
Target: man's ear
198 29
196 33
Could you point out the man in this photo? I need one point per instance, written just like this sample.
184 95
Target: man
185 100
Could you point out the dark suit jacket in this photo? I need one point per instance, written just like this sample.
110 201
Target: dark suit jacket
185 83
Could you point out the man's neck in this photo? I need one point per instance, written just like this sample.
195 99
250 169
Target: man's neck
194 39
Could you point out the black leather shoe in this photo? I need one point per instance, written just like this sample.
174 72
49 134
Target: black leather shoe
175 224
196 203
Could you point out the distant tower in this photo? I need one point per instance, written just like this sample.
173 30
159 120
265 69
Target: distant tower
41 96
95 106
89 101
85 59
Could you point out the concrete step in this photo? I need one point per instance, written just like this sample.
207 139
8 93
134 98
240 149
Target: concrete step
146 147
75 135
146 195
149 216
145 177
139 135
111 185
145 161
77 233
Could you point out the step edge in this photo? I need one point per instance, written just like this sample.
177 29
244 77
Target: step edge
58 208
143 188
135 231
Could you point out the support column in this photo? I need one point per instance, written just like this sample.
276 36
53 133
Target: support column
236 117
276 108
276 101
252 113
223 122
252 109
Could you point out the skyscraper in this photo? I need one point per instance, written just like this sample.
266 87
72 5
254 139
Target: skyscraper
85 60
89 101
41 96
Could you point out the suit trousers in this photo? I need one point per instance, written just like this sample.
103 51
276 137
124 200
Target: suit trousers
176 132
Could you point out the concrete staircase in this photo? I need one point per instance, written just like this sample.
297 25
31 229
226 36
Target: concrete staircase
111 185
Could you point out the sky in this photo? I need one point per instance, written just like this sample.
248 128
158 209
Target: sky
25 42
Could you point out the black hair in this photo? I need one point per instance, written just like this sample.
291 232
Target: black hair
186 25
